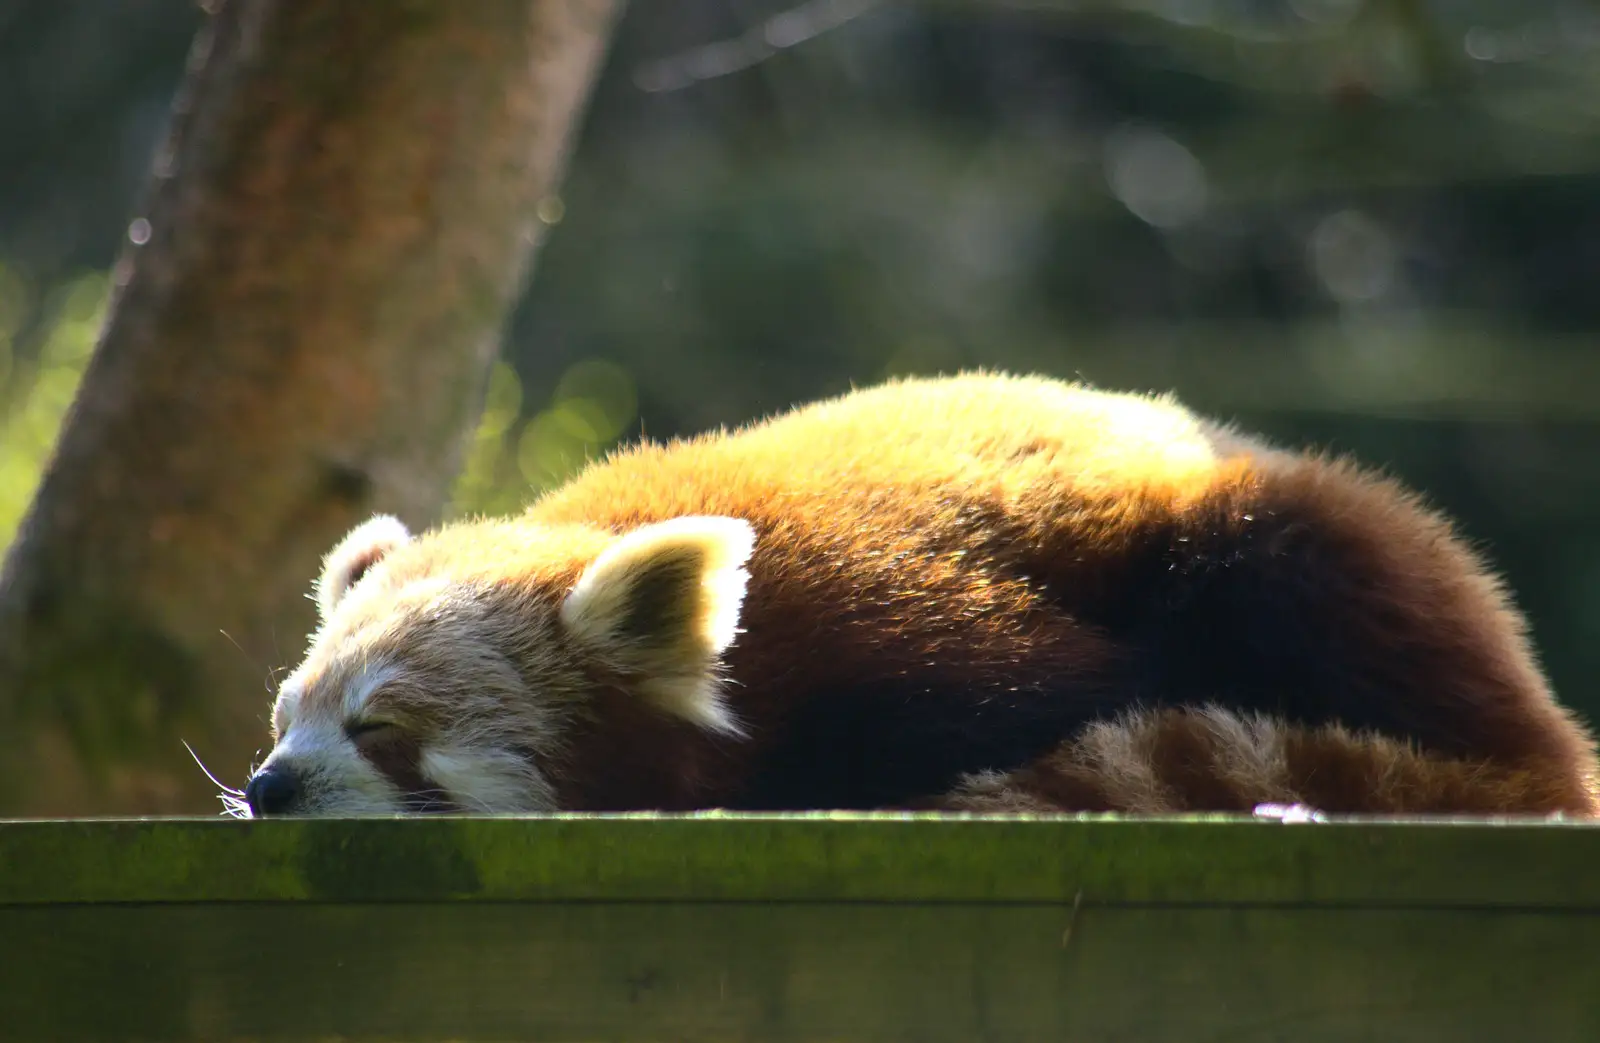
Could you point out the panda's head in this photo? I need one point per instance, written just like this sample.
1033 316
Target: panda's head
451 670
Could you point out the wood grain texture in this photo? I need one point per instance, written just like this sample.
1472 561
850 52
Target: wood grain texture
911 972
858 927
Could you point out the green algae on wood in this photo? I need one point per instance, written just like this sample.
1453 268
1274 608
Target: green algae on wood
840 858
827 927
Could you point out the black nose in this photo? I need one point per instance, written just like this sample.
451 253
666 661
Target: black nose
272 791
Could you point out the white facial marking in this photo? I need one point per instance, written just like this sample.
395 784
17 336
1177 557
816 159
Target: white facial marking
361 688
308 742
337 779
286 705
484 780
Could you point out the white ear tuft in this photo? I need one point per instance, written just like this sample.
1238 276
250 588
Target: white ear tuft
363 547
661 605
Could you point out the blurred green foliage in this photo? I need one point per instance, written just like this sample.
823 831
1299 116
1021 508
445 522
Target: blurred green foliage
516 451
37 389
512 455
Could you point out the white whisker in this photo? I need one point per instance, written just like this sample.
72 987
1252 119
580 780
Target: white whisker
234 807
226 789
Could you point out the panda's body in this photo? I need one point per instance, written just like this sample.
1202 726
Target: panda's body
921 589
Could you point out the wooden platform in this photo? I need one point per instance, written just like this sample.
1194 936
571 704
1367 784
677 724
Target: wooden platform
800 928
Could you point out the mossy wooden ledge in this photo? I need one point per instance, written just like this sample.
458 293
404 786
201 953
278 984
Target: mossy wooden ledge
856 927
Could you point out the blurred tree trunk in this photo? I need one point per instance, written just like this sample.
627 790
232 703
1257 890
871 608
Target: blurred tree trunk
339 226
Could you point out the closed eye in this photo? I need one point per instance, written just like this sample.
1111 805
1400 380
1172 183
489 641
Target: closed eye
356 730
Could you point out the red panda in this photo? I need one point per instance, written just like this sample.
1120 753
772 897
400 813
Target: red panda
974 592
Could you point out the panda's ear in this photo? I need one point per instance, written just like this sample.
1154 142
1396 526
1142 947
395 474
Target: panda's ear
363 547
660 606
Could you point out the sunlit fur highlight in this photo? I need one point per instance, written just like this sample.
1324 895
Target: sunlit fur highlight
711 622
350 558
696 567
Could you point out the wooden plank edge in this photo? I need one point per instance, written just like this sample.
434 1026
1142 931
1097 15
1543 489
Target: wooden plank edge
1097 859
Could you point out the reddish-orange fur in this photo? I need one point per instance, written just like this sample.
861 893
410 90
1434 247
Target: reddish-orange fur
827 539
958 576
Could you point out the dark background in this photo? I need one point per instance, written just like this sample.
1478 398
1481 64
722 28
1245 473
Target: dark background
1366 225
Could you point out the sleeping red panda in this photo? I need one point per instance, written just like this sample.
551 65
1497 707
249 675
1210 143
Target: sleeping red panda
979 592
